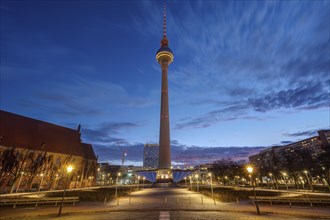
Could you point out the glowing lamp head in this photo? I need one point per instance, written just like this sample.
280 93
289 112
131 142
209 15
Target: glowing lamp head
69 169
249 169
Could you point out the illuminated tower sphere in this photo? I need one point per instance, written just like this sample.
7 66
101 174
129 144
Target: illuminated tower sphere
164 57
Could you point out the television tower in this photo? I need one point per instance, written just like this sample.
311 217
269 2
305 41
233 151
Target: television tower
164 57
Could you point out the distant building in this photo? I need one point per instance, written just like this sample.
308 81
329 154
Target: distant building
324 137
108 174
315 145
35 154
150 156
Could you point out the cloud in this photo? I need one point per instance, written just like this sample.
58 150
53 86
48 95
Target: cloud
307 133
309 94
240 64
82 97
203 154
105 133
181 154
306 96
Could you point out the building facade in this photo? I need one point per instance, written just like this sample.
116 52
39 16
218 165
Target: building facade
35 156
276 158
150 156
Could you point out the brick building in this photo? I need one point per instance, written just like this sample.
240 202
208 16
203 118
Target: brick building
34 155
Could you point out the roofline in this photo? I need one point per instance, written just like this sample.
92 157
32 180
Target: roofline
38 120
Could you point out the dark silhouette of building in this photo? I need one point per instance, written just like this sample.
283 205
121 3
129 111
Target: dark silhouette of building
34 155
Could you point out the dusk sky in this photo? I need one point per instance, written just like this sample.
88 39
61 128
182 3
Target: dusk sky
245 73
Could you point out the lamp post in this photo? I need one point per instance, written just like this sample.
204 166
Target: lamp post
197 185
56 181
284 177
68 170
210 175
190 182
309 182
42 178
271 179
250 170
116 192
77 182
138 177
302 182
185 182
108 179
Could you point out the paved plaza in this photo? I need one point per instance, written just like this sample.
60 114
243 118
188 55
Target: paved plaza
166 202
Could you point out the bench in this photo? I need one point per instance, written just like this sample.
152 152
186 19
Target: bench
290 200
38 201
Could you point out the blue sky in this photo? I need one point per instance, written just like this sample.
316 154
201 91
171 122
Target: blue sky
245 73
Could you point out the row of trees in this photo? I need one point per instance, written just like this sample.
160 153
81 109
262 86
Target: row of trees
30 164
16 163
294 163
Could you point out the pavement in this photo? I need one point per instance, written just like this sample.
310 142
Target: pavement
149 203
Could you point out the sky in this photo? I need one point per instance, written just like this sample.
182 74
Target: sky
246 74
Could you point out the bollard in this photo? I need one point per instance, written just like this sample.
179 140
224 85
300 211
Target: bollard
189 200
105 199
237 202
117 201
202 200
214 201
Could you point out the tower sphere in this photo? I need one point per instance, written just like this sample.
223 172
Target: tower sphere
164 54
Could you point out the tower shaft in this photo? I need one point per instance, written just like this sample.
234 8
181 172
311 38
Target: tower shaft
164 57
164 133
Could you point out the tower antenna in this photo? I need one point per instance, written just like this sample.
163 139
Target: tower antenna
164 18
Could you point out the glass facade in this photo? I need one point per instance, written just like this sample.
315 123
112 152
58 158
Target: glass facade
150 156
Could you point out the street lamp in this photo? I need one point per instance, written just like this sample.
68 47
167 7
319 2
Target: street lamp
138 177
68 170
271 179
250 170
190 182
309 182
284 177
42 178
226 178
108 178
185 182
210 175
116 192
302 182
197 183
